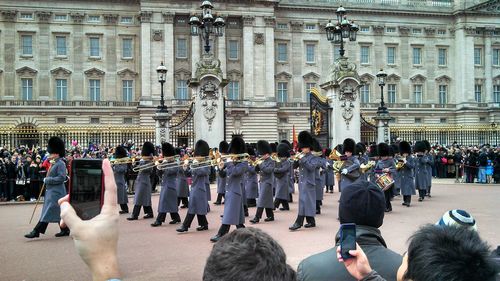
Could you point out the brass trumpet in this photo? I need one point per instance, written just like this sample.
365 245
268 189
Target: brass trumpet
401 162
365 167
129 160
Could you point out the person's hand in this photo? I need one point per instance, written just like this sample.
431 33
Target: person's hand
358 266
386 170
344 171
96 239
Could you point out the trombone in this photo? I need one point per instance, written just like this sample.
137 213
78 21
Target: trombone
217 160
129 160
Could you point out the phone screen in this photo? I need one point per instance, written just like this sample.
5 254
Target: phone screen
86 187
347 239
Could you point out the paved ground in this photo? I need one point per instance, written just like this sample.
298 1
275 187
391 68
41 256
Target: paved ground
147 253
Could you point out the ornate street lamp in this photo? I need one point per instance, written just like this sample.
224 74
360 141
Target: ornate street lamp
162 75
381 75
342 29
206 25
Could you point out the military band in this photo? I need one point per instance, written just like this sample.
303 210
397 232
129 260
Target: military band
120 171
142 196
265 167
282 175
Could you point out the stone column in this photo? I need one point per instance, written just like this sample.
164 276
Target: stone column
162 132
77 78
146 99
112 85
488 83
8 40
221 53
248 58
270 61
464 70
296 61
43 78
169 56
383 129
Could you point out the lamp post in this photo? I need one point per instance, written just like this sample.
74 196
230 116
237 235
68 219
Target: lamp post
162 73
206 25
381 75
342 29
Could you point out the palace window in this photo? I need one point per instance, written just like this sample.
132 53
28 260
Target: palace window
60 17
26 16
496 57
127 48
417 56
391 93
441 31
282 26
128 90
442 57
61 46
95 89
233 92
364 29
390 29
417 93
365 93
477 56
27 88
27 45
443 94
365 55
496 93
94 47
181 50
182 90
478 93
282 52
282 92
391 55
309 86
126 20
233 49
310 53
310 26
94 19
61 89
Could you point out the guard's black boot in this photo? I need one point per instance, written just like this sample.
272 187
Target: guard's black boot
159 219
135 213
148 210
175 218
33 234
223 230
64 232
124 209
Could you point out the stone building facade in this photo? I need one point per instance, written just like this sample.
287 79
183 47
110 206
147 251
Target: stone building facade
92 63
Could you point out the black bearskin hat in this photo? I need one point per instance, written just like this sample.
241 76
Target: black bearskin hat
394 149
360 148
56 146
420 146
274 147
148 149
250 150
383 149
120 152
237 146
167 149
327 151
373 151
316 146
201 148
283 150
263 147
223 147
287 143
427 145
305 139
404 147
349 145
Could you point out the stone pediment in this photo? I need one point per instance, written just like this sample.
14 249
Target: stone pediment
25 70
182 74
234 74
492 6
283 75
393 77
419 78
60 71
124 72
367 77
443 79
94 72
311 76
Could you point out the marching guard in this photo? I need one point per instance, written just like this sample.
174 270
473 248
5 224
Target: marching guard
182 186
265 170
221 178
54 190
319 177
251 180
386 167
421 177
168 193
281 173
329 174
142 196
198 204
234 171
350 169
306 163
406 173
396 156
372 156
119 171
430 162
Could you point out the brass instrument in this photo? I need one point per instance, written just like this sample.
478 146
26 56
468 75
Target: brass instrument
335 155
257 161
218 160
365 167
129 160
168 162
401 162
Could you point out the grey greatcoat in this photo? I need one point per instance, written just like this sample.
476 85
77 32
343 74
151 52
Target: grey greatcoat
142 186
397 179
233 206
406 175
421 177
121 184
430 158
281 173
221 182
168 193
329 174
266 184
181 184
292 179
54 190
387 163
345 181
207 187
198 204
319 179
307 185
251 183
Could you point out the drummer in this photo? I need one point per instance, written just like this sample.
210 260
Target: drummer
385 171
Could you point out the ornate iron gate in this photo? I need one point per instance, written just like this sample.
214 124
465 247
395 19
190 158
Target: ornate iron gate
319 116
368 131
182 128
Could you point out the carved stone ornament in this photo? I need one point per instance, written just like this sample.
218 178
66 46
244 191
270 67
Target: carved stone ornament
429 30
443 79
77 17
9 15
347 97
270 21
470 30
208 65
145 16
168 17
157 35
248 20
452 31
60 71
378 29
94 72
111 18
259 38
209 95
26 71
43 16
343 68
297 26
404 30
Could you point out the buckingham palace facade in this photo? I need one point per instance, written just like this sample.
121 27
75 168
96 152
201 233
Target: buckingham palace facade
83 64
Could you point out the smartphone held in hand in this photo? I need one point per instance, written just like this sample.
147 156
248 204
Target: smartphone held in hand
86 188
347 239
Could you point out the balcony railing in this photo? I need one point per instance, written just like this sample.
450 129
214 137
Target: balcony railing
408 105
38 103
362 3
